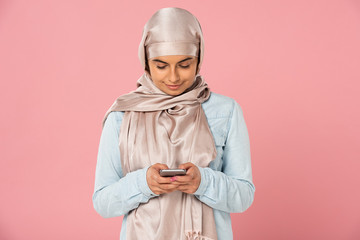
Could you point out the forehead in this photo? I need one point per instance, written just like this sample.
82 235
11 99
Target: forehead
173 58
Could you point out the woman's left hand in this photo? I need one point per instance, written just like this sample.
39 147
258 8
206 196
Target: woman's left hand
191 181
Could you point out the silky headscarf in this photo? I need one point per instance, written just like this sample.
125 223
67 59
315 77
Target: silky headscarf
160 128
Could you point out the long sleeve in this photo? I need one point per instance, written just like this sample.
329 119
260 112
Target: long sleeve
231 189
115 194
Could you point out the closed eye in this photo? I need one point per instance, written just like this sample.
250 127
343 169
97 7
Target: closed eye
161 67
185 66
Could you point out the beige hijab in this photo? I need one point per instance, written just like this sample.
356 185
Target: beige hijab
159 128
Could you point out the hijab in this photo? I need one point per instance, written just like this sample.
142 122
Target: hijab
160 128
171 31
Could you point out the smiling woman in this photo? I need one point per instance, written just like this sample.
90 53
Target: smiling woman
173 74
170 121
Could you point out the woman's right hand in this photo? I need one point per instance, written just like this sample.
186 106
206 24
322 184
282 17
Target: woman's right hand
158 184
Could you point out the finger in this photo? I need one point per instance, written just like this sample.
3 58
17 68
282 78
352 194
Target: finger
159 191
163 188
155 176
159 166
190 175
186 165
183 187
186 189
154 172
184 179
162 180
168 186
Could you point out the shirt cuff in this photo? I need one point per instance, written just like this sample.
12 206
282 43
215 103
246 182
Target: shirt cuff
142 183
203 182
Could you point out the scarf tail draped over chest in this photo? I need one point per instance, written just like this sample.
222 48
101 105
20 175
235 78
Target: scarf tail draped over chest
159 128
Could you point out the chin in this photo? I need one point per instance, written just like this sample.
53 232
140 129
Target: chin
174 93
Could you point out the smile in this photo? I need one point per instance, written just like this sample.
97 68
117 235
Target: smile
173 87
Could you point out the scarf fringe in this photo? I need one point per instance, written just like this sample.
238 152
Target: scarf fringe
192 235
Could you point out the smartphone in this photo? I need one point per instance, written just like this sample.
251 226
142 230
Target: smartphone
172 172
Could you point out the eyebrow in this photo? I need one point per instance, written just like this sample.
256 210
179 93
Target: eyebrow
158 60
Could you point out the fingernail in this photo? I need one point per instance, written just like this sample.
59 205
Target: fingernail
173 179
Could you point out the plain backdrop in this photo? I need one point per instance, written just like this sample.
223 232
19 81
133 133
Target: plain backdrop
293 66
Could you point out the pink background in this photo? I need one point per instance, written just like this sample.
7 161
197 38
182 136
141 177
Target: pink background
292 65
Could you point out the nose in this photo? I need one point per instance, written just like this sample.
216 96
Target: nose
174 75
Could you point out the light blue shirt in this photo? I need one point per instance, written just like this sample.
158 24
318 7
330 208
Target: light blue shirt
226 185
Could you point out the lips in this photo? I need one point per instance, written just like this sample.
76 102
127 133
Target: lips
173 87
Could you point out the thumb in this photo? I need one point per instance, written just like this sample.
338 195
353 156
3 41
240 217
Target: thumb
159 166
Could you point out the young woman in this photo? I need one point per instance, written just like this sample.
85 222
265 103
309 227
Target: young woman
172 120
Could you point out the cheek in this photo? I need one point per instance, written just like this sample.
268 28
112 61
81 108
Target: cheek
156 75
189 74
156 80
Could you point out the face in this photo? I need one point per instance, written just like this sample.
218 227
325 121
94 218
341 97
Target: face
173 74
